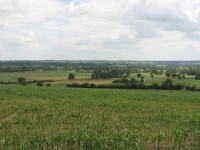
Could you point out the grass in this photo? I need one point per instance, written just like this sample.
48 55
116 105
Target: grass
60 77
69 118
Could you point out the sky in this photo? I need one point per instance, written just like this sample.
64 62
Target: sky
99 29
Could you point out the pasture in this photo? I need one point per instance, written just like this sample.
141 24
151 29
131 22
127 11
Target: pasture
71 118
60 78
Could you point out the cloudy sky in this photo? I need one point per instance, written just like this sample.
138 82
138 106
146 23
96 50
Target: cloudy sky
100 29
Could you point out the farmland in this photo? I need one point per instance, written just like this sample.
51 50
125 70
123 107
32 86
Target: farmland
66 118
115 105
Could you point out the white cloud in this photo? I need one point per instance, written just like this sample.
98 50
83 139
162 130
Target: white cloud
100 29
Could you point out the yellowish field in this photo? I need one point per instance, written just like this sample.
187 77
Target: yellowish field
60 77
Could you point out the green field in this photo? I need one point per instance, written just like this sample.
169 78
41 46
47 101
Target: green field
70 118
60 77
41 75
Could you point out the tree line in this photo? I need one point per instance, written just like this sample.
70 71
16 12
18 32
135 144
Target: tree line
135 84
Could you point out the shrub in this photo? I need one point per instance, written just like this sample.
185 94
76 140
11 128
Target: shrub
197 77
73 85
92 85
48 84
71 76
23 83
85 85
39 83
123 80
191 88
178 87
20 80
155 86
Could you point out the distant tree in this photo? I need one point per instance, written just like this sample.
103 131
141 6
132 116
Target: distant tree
168 81
48 84
133 80
190 88
160 72
142 79
20 80
183 76
139 75
197 77
39 83
92 85
85 85
127 74
167 74
155 86
71 76
167 84
179 76
152 74
173 75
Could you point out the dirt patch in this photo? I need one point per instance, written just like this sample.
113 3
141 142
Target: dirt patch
10 117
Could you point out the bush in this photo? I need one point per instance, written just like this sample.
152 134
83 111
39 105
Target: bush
73 85
155 86
133 80
178 87
123 80
71 76
40 83
197 77
85 85
20 80
191 88
48 84
92 85
23 83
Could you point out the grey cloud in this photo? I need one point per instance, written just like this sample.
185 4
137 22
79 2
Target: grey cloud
101 29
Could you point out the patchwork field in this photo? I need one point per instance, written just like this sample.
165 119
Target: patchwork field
60 77
57 117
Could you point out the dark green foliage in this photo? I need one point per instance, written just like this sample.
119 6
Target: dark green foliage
173 75
191 88
85 85
197 77
7 82
183 76
107 73
179 76
92 85
73 85
167 85
155 86
168 74
178 87
139 75
23 83
39 83
133 80
142 79
20 80
71 76
48 84
123 80
168 81
127 74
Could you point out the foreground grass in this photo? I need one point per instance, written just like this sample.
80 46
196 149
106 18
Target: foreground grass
64 118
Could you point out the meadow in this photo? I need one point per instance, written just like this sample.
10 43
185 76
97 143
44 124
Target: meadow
60 78
57 117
